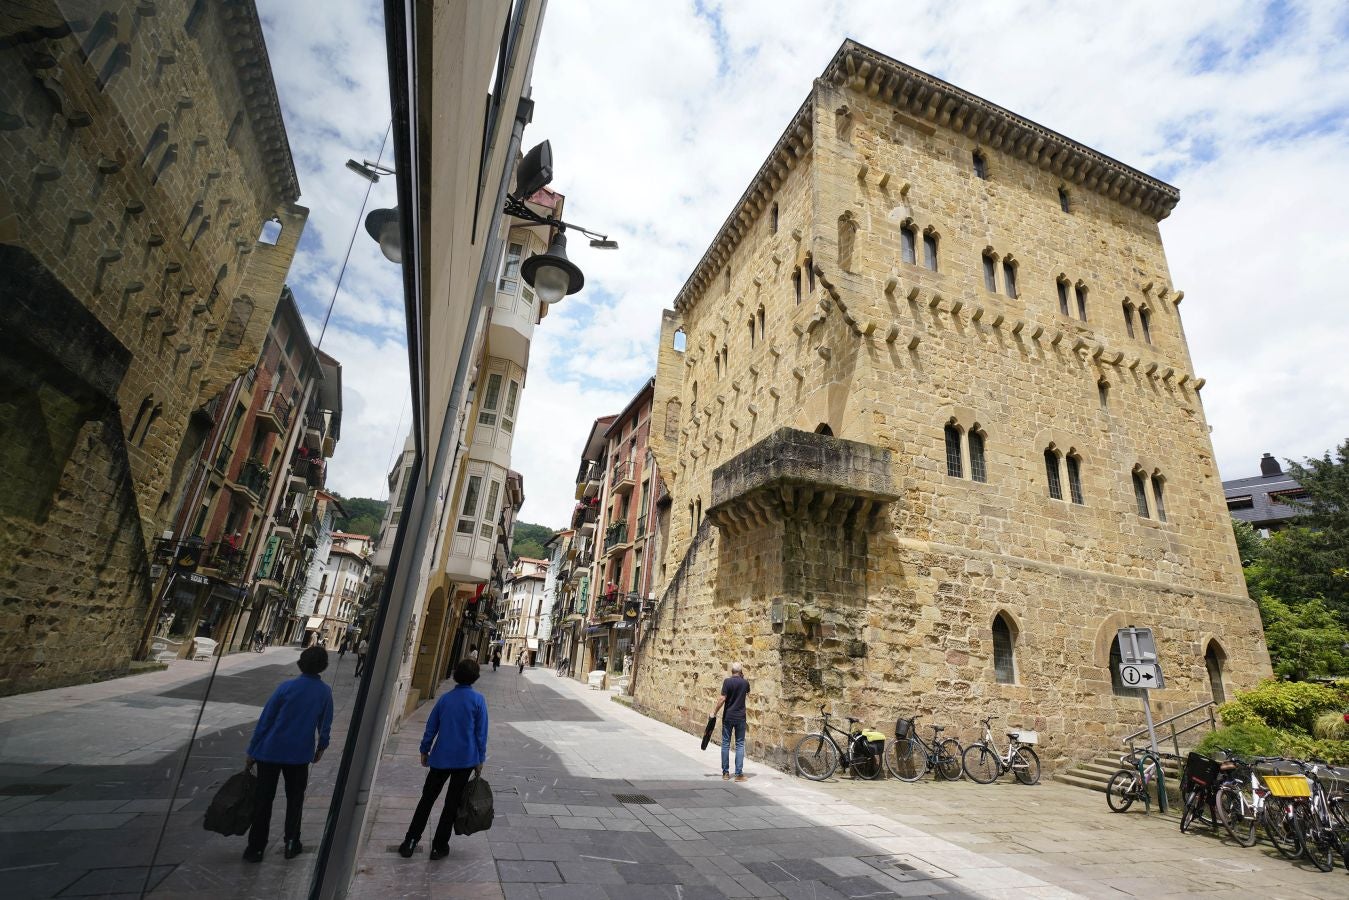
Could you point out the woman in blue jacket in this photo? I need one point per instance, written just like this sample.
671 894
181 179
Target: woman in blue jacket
283 746
453 747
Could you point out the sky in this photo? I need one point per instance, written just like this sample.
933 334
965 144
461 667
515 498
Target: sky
659 113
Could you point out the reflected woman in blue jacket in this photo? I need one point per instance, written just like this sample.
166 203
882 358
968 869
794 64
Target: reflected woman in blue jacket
284 745
453 747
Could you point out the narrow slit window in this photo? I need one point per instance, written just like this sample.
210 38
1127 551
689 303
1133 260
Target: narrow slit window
980 165
1082 302
975 441
1140 494
1063 297
1004 653
1052 475
954 468
773 218
810 275
908 248
796 285
1075 479
1103 393
1158 498
1129 319
1145 322
1065 203
930 251
1009 278
990 274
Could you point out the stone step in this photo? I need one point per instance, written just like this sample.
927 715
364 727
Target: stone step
1076 779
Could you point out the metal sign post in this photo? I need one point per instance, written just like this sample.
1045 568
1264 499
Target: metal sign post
1139 669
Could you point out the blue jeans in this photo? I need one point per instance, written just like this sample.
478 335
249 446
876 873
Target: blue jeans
726 729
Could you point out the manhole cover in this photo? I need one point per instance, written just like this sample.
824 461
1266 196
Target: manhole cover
635 798
30 790
906 867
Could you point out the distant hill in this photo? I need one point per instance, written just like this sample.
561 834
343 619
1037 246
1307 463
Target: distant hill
529 540
363 515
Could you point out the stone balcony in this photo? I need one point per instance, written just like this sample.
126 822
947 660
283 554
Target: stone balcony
794 474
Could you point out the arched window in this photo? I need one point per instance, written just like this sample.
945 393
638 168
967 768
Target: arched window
725 360
693 402
1145 322
1052 473
150 423
1128 318
824 429
990 272
1009 277
930 250
1158 501
146 405
1081 291
908 244
751 332
1213 664
810 274
980 165
1140 493
975 440
1004 649
681 341
271 231
1075 478
1065 203
847 240
954 468
796 284
773 218
1062 285
1117 686
759 314
1103 393
716 358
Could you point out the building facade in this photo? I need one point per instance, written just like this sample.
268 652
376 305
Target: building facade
146 228
523 611
1265 501
932 434
344 579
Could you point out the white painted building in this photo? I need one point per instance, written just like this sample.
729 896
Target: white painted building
523 598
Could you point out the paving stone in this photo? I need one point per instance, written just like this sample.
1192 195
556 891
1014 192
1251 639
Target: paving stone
532 871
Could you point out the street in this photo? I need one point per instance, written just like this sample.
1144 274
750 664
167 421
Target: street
592 800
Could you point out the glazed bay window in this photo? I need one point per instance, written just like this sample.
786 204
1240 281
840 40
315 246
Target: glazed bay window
508 413
489 516
491 399
510 268
468 510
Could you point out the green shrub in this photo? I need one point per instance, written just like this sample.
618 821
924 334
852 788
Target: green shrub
1330 726
1287 705
1245 738
1300 747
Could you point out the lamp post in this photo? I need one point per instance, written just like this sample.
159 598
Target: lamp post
551 274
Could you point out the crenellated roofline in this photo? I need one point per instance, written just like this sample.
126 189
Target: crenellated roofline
925 96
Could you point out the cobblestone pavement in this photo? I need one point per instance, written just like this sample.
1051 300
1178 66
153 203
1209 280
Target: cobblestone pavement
87 776
594 800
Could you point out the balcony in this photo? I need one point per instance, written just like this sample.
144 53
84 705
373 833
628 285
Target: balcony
616 537
609 605
287 521
623 478
588 480
274 414
223 560
584 516
253 479
641 526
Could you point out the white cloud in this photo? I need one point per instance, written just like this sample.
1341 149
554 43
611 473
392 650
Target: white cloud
659 115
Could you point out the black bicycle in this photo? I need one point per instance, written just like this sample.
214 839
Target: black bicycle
818 755
910 757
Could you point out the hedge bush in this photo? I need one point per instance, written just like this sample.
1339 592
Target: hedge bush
1286 705
1245 738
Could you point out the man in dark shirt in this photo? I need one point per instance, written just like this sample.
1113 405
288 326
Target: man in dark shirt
734 690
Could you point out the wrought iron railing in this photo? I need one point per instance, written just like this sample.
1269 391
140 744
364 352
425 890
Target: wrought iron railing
615 534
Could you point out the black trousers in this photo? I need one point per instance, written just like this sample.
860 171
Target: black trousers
297 776
435 780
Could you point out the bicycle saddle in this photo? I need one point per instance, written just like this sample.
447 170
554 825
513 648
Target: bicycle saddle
851 719
937 727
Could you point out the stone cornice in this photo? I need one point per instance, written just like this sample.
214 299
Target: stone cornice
926 97
790 149
243 35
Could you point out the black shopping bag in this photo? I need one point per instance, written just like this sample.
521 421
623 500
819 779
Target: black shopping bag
475 808
231 810
707 732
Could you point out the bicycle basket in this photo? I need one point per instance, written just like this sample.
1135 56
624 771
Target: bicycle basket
903 728
1200 769
1288 785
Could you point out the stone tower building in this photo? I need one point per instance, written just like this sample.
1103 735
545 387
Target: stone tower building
147 222
932 434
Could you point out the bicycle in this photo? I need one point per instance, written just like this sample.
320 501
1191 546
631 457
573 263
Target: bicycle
910 757
818 755
984 763
1131 783
1199 791
564 668
1319 822
1240 800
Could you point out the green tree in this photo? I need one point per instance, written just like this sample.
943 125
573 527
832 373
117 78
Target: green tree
529 541
1305 641
364 515
1319 555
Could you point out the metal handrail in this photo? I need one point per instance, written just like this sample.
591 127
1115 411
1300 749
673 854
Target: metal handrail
1211 720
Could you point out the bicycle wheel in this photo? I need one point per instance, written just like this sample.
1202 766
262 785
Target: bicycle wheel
864 762
1316 845
981 764
1276 820
948 760
1026 766
1122 790
906 759
1194 802
1236 813
815 757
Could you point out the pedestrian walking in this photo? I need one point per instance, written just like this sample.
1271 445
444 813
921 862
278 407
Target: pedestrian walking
473 654
361 649
342 649
734 690
453 747
496 660
521 660
284 745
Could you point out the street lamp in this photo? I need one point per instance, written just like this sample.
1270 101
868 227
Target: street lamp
551 274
